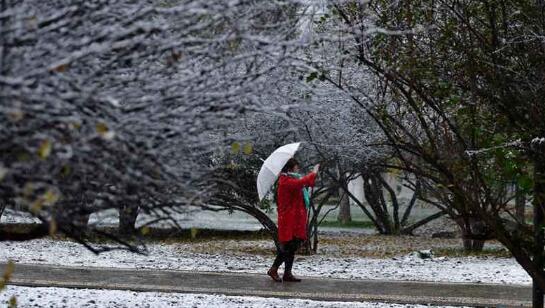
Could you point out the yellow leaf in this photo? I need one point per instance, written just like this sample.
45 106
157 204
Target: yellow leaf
145 230
101 128
28 190
74 125
50 197
104 131
13 302
394 171
45 149
60 68
16 115
37 206
248 149
10 267
235 147
194 232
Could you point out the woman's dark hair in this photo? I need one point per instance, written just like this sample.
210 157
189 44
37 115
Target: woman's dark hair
292 162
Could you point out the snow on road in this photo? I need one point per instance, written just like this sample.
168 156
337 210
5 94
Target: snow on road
61 297
179 256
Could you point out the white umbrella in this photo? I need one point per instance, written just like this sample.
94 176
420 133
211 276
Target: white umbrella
272 166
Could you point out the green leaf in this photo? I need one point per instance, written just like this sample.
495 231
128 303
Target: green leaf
312 76
454 99
525 182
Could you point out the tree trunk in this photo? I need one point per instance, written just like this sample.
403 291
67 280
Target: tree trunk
373 195
3 38
127 219
478 245
344 206
310 245
82 220
264 220
473 245
539 207
520 206
313 232
2 208
474 233
344 216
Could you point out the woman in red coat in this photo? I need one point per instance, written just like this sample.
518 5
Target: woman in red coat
292 217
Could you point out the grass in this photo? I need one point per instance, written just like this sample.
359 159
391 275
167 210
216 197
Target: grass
352 224
459 252
17 228
170 235
190 235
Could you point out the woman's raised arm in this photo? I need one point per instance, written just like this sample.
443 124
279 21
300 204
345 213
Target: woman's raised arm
306 181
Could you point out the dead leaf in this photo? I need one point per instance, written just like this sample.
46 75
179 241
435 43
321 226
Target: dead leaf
44 150
61 68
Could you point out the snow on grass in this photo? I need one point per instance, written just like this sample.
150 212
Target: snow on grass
16 217
62 297
179 256
192 219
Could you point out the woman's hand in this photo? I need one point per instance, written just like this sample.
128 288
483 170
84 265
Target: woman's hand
316 168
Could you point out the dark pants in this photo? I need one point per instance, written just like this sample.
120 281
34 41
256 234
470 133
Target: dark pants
286 254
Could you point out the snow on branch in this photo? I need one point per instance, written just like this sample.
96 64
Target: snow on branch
105 103
473 153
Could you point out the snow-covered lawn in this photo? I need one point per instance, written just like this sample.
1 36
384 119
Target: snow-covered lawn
61 297
192 219
182 256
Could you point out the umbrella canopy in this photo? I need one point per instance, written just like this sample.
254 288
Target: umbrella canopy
272 166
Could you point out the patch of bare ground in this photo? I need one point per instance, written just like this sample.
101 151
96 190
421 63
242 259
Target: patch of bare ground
331 245
368 246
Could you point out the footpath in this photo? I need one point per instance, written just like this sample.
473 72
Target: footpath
146 280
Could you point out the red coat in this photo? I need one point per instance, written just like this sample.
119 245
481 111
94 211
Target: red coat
292 214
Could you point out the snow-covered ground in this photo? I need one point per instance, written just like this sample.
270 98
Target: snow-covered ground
200 219
60 297
182 256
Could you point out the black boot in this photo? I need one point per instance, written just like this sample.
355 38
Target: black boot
273 273
288 276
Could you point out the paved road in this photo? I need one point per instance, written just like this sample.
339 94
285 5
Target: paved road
261 285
